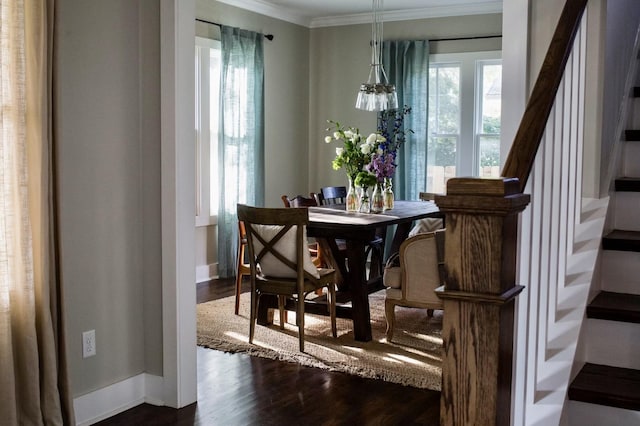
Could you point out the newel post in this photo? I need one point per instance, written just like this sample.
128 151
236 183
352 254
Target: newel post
479 295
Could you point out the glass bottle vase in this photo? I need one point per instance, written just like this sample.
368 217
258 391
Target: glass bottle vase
365 202
377 199
388 194
352 198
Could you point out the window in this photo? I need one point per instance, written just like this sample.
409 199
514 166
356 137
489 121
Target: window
463 117
207 98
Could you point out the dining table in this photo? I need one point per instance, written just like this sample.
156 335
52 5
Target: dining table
332 222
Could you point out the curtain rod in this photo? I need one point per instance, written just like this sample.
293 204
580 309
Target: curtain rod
466 38
267 36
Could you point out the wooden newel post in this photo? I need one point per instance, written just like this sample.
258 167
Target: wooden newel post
479 295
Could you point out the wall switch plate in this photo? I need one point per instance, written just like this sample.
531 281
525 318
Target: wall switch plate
88 343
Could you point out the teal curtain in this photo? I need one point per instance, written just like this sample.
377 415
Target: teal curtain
241 142
407 65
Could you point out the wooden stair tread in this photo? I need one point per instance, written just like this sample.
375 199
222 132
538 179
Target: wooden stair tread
615 307
628 184
622 240
632 135
606 385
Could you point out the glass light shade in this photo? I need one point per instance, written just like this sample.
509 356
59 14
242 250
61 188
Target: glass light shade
377 97
377 94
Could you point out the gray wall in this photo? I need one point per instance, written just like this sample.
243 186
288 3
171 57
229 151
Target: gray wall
340 58
107 110
108 130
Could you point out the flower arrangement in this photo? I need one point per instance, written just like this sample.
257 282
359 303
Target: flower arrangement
372 160
356 152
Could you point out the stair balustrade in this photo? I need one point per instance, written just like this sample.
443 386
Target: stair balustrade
481 252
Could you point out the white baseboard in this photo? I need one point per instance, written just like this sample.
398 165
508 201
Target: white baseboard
206 272
118 397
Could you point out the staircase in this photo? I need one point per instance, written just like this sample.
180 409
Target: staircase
606 391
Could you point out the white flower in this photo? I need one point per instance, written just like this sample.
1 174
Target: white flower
336 135
381 138
366 148
339 151
373 137
328 139
348 133
380 151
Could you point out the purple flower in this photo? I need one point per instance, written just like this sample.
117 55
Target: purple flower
382 165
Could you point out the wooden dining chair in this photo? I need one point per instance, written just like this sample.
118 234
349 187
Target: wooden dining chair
281 265
299 201
242 268
332 195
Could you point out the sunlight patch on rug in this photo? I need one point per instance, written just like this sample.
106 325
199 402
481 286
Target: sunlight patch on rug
413 358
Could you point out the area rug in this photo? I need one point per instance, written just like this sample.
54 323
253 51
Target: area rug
413 358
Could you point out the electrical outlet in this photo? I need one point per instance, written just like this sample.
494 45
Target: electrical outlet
88 343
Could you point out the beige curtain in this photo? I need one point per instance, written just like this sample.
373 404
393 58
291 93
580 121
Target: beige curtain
33 377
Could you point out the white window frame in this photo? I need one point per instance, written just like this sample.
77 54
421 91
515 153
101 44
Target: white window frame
206 143
467 165
478 123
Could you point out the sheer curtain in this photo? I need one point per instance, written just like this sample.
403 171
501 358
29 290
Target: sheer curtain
241 147
33 375
407 66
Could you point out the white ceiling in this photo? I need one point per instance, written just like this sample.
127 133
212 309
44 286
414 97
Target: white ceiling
323 13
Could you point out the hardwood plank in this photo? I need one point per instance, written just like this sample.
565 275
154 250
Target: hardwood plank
628 184
236 389
632 135
615 307
606 385
622 240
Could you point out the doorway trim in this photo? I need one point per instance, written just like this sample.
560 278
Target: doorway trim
177 158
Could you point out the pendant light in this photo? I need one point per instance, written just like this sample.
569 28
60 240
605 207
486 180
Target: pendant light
377 94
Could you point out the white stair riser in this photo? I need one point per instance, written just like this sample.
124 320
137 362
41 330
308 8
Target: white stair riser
612 343
631 156
634 114
583 414
621 271
627 206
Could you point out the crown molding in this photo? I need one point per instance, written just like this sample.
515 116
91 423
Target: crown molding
268 9
286 14
409 14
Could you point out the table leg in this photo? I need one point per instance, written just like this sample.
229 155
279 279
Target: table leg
359 290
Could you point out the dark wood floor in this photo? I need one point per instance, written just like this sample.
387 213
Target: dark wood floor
236 389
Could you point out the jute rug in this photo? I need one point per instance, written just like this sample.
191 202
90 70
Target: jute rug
413 358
